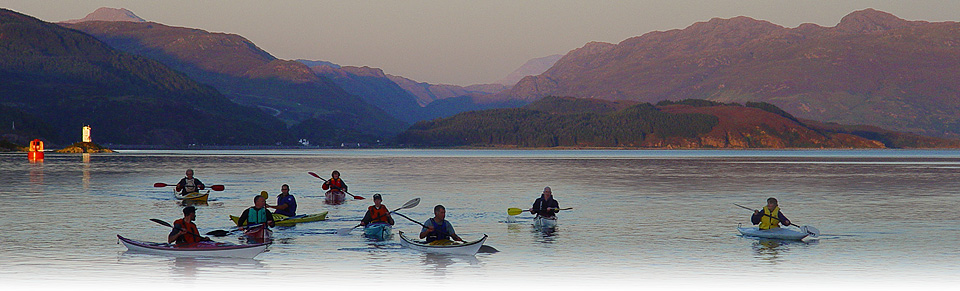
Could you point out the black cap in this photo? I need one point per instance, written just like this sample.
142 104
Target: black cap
377 196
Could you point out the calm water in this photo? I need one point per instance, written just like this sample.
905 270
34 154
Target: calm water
657 218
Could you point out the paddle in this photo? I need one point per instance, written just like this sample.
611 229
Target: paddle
164 223
813 231
220 232
517 211
410 204
348 193
214 187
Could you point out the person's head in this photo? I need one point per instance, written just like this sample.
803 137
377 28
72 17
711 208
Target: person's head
285 189
189 173
190 212
771 203
547 192
335 174
377 199
439 212
259 201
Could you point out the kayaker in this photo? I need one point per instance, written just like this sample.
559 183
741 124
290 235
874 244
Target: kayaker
545 206
257 214
286 204
184 230
377 213
335 183
770 217
437 230
189 184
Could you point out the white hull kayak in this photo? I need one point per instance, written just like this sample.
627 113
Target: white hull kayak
545 223
776 233
201 249
467 248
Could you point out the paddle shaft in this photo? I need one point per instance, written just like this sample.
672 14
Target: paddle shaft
344 191
212 187
764 214
410 219
164 223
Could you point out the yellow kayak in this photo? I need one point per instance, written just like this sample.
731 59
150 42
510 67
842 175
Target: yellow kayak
283 220
193 197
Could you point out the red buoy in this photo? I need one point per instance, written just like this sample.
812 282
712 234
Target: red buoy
36 151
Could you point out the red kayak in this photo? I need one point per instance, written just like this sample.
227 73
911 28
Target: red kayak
259 234
334 197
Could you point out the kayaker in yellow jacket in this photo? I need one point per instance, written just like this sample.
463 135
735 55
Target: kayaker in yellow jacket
770 217
437 230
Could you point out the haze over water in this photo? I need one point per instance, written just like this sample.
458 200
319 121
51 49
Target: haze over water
640 218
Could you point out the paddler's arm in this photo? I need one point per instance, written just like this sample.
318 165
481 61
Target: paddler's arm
175 233
755 219
366 218
180 185
200 185
243 219
783 219
453 233
270 218
425 230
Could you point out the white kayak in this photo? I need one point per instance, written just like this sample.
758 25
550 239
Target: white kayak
783 233
199 249
545 222
467 248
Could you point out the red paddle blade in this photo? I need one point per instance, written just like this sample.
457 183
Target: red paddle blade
159 185
314 174
358 197
216 187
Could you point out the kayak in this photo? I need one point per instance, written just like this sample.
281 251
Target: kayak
378 231
198 249
467 248
335 197
545 222
260 233
193 197
283 220
776 233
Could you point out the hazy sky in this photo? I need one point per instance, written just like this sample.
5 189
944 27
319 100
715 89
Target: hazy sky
461 42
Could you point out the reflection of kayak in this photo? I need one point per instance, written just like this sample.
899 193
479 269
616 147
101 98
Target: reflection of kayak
198 249
545 222
192 197
283 220
468 248
776 233
335 197
378 231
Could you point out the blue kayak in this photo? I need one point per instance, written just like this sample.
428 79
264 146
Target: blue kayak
377 231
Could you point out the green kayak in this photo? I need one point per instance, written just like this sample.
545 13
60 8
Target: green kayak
283 220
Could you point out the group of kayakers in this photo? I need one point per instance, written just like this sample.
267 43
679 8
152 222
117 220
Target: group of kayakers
436 230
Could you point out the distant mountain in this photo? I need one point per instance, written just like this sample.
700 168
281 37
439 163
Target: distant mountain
574 122
531 68
427 93
109 14
248 75
373 86
311 63
56 80
872 68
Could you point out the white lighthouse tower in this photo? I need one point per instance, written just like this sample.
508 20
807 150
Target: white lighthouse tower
86 134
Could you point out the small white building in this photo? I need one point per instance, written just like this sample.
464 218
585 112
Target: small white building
86 134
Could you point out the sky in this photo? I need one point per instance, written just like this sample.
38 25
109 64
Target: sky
461 42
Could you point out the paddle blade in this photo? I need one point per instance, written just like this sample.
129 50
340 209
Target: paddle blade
344 231
514 211
161 222
160 185
358 197
218 233
410 204
315 175
217 188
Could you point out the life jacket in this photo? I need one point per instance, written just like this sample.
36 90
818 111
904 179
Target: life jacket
189 185
335 183
256 216
770 218
439 232
379 215
188 227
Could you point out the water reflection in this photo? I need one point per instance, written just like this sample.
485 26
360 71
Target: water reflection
773 251
438 263
191 268
85 180
36 174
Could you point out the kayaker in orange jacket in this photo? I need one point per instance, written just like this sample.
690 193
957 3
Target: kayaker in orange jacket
335 183
184 230
377 212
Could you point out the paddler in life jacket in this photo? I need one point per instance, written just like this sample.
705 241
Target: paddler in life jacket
335 183
257 214
545 206
189 184
377 213
770 217
286 204
184 230
437 230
